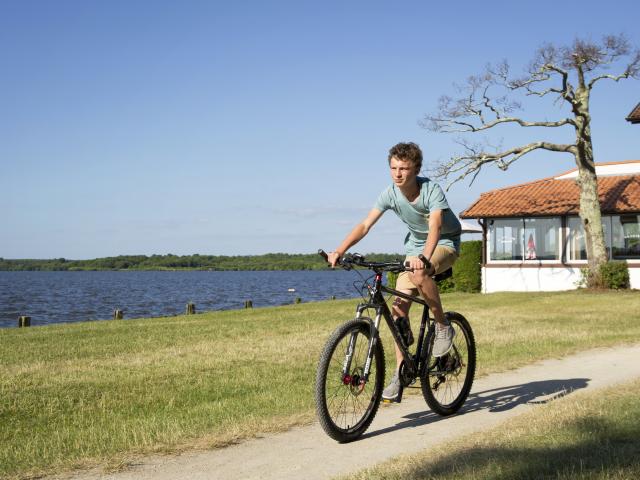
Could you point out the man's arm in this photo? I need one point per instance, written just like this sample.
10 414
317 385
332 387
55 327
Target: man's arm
357 234
435 225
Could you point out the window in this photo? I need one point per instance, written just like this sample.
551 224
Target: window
625 236
541 236
506 239
576 238
523 239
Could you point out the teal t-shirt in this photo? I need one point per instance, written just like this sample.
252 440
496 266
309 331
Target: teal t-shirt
416 215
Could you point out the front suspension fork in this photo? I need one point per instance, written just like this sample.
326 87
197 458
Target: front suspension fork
373 340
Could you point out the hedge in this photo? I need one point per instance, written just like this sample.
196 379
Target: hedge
467 273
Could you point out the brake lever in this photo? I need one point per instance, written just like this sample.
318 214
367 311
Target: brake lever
427 263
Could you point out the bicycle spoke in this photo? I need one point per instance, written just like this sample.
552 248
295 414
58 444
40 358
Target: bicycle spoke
346 406
449 378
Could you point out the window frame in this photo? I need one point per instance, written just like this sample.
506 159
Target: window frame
634 259
559 238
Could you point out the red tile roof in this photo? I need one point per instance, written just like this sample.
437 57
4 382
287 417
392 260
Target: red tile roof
634 116
618 194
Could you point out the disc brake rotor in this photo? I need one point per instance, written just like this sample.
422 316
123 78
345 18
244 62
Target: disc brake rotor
355 381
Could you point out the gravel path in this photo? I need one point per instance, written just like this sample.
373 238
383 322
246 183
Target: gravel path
307 453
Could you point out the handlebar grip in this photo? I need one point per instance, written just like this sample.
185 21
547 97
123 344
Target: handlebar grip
427 263
323 254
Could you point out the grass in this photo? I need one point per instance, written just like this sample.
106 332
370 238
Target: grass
585 436
78 395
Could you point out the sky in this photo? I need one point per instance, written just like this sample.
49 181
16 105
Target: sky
249 127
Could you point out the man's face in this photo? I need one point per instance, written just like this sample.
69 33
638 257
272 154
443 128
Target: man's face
403 172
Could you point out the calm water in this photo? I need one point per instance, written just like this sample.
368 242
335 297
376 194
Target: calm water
56 297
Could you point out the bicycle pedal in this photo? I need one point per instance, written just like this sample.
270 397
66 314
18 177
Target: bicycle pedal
390 401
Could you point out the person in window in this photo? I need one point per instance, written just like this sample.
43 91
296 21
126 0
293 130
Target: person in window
531 248
434 231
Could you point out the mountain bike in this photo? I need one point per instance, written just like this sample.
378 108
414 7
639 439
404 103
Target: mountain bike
351 370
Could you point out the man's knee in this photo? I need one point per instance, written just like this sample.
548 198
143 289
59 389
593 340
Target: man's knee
418 277
400 305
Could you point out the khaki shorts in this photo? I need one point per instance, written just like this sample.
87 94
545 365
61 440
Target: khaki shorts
442 259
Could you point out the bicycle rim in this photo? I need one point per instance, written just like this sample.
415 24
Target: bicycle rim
345 402
448 380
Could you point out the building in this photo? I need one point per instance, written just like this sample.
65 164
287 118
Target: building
533 239
634 116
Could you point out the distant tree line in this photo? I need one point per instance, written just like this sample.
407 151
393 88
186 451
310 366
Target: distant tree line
270 261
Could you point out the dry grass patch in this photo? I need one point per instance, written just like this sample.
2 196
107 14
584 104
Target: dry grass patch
592 435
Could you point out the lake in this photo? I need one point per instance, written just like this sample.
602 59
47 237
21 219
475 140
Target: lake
59 297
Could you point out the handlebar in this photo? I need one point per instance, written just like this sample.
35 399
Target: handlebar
355 259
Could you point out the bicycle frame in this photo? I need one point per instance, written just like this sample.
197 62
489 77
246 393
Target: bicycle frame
414 364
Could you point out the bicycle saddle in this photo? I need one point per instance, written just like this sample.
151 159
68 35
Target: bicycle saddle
443 275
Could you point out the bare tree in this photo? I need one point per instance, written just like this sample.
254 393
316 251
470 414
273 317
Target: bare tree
568 74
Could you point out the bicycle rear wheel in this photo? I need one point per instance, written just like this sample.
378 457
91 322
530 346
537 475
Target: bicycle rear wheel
447 380
347 402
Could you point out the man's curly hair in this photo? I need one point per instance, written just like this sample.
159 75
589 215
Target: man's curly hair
408 152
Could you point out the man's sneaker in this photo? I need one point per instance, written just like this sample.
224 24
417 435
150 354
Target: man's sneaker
391 393
444 339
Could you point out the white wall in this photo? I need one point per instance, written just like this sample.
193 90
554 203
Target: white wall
634 277
517 279
623 168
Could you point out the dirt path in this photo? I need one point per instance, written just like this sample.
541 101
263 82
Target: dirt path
307 453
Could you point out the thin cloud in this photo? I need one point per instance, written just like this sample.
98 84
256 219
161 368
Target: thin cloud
315 212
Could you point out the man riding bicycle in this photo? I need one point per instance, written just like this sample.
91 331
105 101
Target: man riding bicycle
434 231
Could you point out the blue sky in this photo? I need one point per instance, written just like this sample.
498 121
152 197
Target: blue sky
234 128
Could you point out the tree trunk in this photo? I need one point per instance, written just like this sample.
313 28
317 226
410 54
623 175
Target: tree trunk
592 223
590 213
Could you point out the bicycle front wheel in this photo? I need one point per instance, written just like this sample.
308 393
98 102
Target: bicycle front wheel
447 380
346 401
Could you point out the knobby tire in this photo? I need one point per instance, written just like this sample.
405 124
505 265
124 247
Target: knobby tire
447 380
345 411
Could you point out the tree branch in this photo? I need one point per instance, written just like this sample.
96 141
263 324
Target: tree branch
632 70
443 124
472 162
540 73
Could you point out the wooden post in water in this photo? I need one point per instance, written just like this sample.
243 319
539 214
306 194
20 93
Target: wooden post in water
191 308
24 321
248 304
118 314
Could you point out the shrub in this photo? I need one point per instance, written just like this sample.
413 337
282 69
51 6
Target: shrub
615 275
392 278
446 285
467 274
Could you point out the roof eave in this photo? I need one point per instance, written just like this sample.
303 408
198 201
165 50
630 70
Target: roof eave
547 215
634 116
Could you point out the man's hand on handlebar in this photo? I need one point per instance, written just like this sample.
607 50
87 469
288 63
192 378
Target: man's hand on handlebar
417 263
414 263
332 259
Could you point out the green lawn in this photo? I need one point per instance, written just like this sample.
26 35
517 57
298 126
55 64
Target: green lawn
99 392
